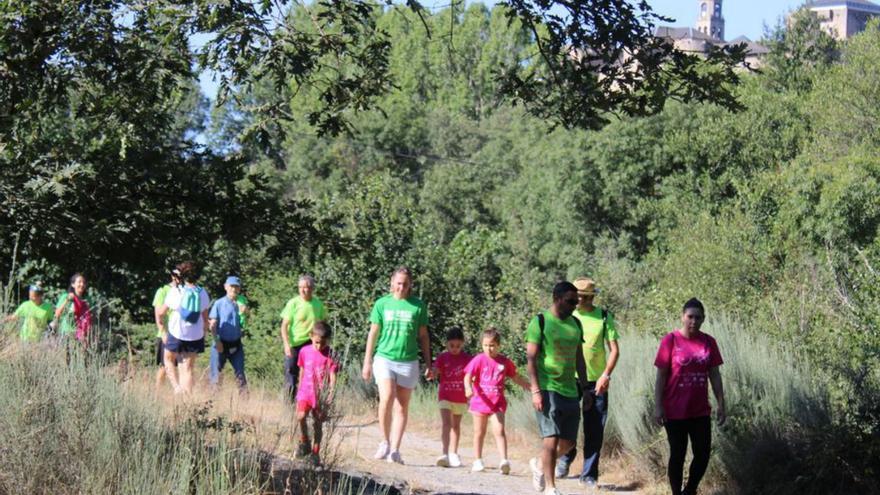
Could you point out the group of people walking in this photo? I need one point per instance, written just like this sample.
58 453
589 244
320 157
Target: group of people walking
70 317
572 349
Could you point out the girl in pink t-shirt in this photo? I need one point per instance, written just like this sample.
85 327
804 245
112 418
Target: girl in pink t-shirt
484 385
314 393
687 362
449 368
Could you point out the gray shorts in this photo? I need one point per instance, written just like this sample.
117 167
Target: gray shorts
561 416
404 374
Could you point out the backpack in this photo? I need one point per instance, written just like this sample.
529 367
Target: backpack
190 304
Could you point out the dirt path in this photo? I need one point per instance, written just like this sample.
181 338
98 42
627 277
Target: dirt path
420 475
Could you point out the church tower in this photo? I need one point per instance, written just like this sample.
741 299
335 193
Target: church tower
710 21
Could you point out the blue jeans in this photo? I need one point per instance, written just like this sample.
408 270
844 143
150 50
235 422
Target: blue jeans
235 356
594 434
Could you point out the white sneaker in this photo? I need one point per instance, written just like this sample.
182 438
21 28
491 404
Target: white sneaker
382 453
478 466
454 460
395 458
504 466
552 491
443 461
537 475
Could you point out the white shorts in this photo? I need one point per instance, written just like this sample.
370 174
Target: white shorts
404 374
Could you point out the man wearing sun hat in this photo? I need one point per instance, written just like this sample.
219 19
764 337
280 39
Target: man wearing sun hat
225 323
599 332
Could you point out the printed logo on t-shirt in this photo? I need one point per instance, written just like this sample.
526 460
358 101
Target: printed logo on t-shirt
691 378
398 315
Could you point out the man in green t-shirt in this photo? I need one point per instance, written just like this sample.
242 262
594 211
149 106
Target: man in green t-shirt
34 314
599 332
556 369
298 318
158 301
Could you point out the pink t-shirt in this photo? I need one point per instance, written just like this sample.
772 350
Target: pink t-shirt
451 369
489 375
314 366
686 394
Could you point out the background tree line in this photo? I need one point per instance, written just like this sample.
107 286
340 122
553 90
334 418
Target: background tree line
767 210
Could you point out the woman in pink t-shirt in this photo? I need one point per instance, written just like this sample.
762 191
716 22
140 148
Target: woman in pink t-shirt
687 361
484 385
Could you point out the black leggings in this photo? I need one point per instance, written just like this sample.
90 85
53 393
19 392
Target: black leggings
677 432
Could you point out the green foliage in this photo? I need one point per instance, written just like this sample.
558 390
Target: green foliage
800 50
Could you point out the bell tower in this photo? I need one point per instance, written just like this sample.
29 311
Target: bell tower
710 21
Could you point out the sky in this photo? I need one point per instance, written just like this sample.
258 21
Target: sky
741 17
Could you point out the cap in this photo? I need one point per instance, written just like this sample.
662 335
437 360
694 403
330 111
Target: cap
233 281
586 286
36 287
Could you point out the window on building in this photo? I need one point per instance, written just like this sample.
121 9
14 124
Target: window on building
717 9
704 8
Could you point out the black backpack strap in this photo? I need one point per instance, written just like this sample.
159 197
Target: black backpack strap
604 325
541 326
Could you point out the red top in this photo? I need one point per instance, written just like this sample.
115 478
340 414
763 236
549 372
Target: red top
451 369
686 393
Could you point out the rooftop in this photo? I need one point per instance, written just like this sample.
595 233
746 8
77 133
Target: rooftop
858 5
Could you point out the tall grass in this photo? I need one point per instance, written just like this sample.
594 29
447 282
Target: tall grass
780 434
71 428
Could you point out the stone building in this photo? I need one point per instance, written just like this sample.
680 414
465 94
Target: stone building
709 32
843 19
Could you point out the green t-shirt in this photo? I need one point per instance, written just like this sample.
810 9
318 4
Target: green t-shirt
399 321
242 318
557 358
67 324
34 319
158 300
594 341
302 316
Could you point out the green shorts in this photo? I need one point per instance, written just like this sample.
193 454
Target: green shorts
456 408
561 416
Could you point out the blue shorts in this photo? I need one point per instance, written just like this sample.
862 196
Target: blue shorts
185 346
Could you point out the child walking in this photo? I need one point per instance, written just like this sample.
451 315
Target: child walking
484 384
314 394
449 367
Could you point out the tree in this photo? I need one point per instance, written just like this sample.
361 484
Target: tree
589 58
